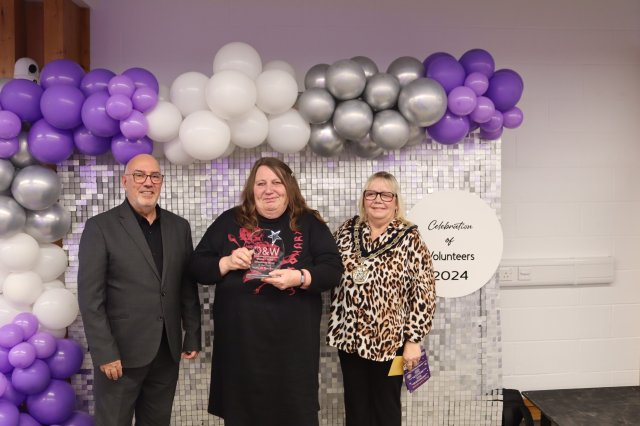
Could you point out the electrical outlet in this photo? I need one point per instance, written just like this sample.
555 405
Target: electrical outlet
507 273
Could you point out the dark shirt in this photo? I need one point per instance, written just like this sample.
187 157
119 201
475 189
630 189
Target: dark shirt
152 234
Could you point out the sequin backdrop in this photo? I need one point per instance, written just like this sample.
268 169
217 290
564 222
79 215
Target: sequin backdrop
464 346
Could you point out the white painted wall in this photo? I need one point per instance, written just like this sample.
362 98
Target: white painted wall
571 173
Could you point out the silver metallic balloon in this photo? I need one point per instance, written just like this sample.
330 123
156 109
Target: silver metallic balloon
422 102
6 174
48 225
406 69
368 66
382 91
345 79
417 135
23 157
316 77
316 105
325 141
366 148
352 119
36 187
12 217
389 130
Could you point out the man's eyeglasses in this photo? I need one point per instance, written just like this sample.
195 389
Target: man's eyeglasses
384 196
140 177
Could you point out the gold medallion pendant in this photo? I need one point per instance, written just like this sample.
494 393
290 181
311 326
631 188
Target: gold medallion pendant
360 274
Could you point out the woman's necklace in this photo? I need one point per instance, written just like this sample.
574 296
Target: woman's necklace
360 274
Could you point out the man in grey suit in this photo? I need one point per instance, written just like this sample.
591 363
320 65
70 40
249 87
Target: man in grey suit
136 298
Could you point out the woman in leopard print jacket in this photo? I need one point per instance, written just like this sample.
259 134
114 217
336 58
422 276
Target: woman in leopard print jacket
384 304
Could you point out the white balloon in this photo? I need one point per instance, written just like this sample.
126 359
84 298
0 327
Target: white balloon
164 122
277 91
230 94
229 151
51 263
249 130
19 252
22 288
204 136
188 92
175 153
3 275
58 334
52 284
288 132
238 56
56 308
8 310
280 65
163 92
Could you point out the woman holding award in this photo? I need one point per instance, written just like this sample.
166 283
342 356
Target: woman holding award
384 305
270 258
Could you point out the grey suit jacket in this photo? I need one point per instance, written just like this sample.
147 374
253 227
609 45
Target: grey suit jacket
124 300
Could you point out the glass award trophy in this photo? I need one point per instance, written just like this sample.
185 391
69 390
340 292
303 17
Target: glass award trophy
268 253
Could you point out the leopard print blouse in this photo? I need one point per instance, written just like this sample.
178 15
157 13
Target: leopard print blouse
397 302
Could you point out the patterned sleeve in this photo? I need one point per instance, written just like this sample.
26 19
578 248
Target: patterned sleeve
422 290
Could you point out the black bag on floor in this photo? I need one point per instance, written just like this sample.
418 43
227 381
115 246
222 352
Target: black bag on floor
514 410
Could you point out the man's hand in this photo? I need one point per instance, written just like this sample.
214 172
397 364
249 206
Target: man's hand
112 370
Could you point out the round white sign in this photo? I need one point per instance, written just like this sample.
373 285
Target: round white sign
464 237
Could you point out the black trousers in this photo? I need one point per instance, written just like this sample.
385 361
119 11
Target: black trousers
146 391
371 396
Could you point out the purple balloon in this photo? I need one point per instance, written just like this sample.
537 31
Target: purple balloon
446 71
9 414
10 335
490 136
121 85
23 98
124 149
144 99
9 147
44 344
461 100
48 144
505 89
477 82
79 418
54 405
61 106
12 395
10 125
95 117
3 383
142 78
433 57
483 111
27 420
478 60
449 129
96 80
61 71
89 144
512 118
67 359
119 106
22 355
28 322
5 365
33 379
494 123
135 126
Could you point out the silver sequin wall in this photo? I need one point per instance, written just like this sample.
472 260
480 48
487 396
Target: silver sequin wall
464 346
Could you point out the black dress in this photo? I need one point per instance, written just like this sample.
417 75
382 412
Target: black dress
266 341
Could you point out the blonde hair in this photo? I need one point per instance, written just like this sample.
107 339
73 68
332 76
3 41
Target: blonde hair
395 188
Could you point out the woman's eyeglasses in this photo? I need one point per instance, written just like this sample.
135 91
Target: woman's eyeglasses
384 196
139 177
